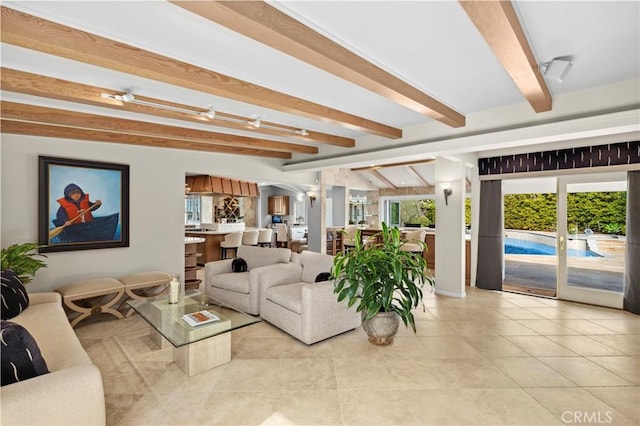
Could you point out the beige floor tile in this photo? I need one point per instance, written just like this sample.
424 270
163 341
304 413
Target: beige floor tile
306 408
512 328
626 367
236 408
449 347
354 345
539 346
259 347
552 313
585 327
404 347
494 346
475 377
118 405
627 343
249 375
435 328
294 348
306 374
519 313
473 328
623 326
577 406
375 407
584 372
166 409
530 303
363 373
624 399
530 372
547 327
585 345
478 407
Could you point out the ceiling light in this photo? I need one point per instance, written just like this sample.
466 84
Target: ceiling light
557 68
301 132
125 97
255 123
211 114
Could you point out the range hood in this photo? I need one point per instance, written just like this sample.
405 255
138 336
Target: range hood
204 184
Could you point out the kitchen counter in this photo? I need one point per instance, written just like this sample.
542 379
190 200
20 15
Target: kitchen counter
194 240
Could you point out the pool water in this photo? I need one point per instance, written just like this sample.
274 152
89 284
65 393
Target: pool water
515 246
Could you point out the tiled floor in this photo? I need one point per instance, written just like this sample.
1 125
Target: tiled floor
491 358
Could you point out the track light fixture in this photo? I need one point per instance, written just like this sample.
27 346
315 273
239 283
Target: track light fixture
557 68
129 98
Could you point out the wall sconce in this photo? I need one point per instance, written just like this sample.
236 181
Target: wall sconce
312 197
447 191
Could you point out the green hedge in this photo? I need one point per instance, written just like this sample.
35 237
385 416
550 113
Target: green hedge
599 211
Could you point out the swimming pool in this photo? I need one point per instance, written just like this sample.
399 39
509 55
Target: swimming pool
516 246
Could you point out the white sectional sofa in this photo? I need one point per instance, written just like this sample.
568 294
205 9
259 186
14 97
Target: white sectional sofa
241 289
291 300
72 392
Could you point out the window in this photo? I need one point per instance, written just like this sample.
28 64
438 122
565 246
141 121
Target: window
192 209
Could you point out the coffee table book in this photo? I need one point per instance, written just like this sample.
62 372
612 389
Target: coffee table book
199 318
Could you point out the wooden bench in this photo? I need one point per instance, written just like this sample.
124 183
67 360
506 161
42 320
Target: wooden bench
83 299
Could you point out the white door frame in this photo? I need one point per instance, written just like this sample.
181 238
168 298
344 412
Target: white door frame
564 291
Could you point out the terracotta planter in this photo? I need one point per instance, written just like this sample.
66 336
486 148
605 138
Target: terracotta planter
382 328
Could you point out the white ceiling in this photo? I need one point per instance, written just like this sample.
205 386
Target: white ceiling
432 45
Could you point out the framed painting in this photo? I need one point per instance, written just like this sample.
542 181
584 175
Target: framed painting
82 205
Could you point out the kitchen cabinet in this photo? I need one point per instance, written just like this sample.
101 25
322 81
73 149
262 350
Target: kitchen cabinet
279 205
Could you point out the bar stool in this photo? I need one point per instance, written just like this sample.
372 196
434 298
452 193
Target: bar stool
231 242
250 238
282 235
264 237
349 237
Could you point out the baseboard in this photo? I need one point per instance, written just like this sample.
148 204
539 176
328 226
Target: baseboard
451 294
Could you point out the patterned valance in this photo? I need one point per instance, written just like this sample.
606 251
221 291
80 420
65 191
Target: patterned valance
573 158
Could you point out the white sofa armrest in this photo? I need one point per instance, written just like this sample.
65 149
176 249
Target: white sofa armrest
216 268
72 396
49 297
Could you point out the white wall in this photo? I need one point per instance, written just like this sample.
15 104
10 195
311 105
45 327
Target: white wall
156 202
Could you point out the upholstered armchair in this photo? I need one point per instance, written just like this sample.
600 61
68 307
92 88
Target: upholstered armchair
292 300
241 289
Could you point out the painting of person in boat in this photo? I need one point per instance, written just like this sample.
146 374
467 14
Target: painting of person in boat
75 220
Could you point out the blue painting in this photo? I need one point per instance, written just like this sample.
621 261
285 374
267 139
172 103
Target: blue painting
85 204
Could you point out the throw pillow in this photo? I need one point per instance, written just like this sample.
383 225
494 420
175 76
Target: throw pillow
14 296
21 357
323 276
239 265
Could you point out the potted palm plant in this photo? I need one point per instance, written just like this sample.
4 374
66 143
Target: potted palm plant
384 281
21 259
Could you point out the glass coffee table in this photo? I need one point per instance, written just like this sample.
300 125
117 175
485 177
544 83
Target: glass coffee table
196 348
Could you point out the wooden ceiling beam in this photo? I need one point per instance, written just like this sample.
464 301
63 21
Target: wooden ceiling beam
266 24
45 115
418 176
391 165
382 178
498 23
55 88
62 132
31 32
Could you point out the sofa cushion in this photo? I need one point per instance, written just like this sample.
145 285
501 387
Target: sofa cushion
288 296
14 296
261 256
21 357
239 265
313 264
233 281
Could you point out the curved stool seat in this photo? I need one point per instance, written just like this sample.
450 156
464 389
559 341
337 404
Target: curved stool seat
231 242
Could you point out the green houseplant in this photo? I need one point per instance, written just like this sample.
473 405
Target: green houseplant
21 258
383 281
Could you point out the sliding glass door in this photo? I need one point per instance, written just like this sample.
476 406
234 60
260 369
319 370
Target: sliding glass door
591 220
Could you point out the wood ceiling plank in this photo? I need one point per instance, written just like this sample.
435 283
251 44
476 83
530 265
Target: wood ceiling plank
413 171
498 23
266 24
390 165
382 178
35 33
55 88
60 132
45 115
